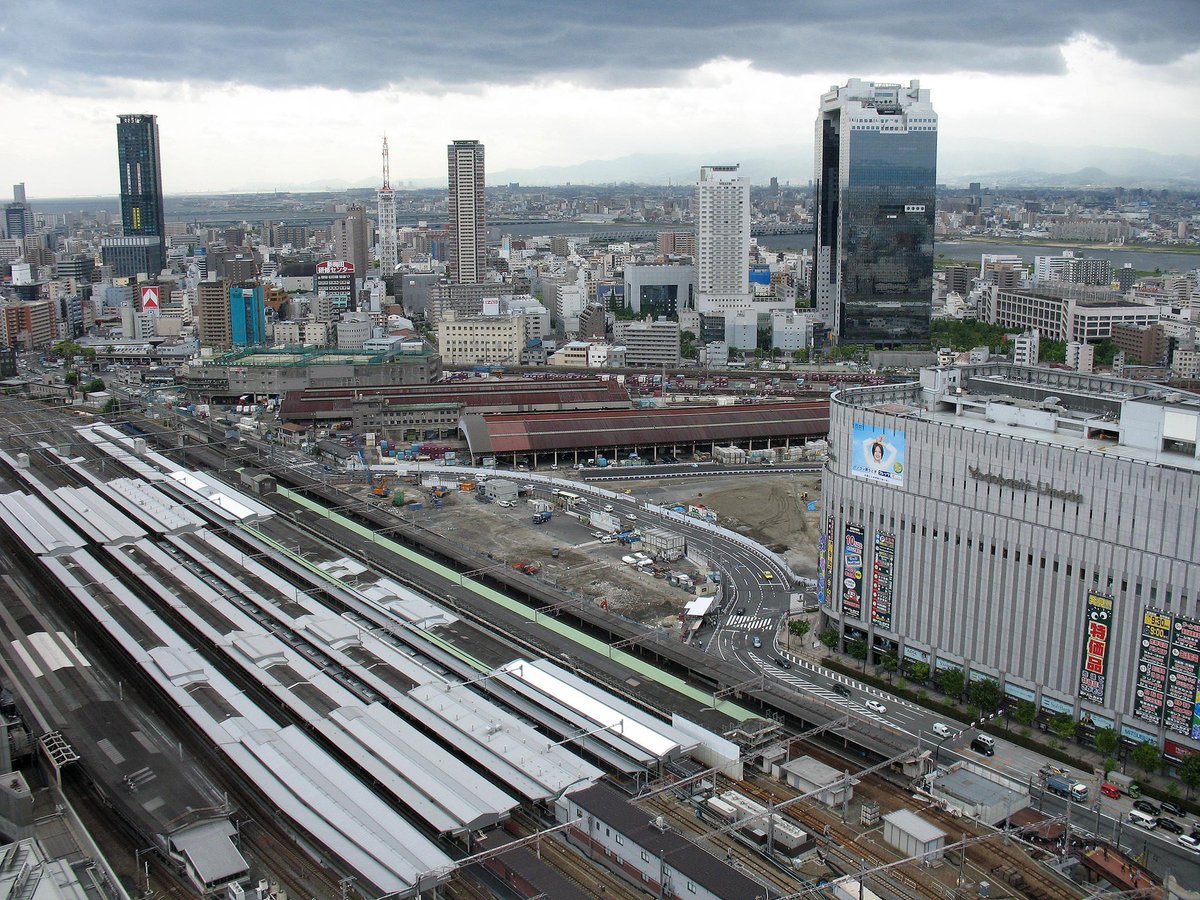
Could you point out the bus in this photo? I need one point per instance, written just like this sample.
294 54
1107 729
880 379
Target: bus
568 500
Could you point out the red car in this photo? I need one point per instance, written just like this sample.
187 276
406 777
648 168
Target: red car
1110 790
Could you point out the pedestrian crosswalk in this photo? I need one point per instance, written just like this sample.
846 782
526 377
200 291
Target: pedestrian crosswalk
750 623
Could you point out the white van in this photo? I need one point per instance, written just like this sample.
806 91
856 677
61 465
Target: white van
1142 820
941 729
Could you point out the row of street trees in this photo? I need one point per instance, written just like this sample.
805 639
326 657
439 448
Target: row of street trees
986 695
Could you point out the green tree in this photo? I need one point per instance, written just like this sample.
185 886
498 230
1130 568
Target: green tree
687 344
1106 741
111 405
1189 772
858 649
951 682
919 672
1025 712
1146 757
71 378
986 694
800 356
800 627
1064 725
890 663
829 637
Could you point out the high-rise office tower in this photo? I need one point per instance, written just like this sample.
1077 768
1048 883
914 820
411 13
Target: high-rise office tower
351 240
386 197
722 240
468 224
18 215
140 170
876 163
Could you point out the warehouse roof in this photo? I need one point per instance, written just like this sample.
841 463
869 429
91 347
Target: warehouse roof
478 396
912 824
525 432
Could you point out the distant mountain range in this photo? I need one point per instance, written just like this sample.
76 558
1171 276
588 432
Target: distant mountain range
1002 164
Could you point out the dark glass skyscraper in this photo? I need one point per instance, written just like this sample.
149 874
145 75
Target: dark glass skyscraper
141 179
876 169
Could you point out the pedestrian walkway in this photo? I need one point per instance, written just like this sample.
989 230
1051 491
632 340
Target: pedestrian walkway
750 623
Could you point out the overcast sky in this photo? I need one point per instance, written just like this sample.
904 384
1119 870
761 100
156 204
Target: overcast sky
301 92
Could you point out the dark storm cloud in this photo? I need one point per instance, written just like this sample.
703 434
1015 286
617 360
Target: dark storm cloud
359 46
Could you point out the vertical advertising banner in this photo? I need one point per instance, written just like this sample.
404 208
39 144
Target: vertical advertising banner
1149 699
852 572
882 563
1096 635
825 563
1183 669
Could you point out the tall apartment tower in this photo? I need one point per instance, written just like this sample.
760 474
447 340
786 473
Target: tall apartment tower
141 181
468 224
351 237
386 198
722 240
212 307
876 165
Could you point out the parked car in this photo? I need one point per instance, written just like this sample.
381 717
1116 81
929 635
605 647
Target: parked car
876 707
1147 807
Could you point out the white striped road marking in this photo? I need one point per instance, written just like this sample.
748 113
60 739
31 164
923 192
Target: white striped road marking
750 623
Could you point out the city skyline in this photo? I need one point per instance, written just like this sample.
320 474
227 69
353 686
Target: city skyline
639 81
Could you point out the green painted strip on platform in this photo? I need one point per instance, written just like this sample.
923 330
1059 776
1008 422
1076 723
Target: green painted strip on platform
434 639
548 622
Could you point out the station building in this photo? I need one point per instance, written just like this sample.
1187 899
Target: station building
1028 525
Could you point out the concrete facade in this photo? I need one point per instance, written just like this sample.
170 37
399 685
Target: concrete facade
1017 510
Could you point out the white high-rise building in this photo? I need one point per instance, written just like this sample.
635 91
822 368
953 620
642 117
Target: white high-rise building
468 225
386 198
722 240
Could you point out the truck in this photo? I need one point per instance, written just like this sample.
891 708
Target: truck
1066 786
1125 784
542 517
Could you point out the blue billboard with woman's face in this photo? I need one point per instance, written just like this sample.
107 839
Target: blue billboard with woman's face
878 454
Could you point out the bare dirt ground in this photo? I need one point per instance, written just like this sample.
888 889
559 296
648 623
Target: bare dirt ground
584 565
768 509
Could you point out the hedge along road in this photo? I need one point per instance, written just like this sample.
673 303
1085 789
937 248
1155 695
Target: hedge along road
550 623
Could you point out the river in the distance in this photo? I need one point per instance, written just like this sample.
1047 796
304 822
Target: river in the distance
972 251
967 251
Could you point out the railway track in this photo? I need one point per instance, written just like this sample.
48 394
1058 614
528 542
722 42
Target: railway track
1000 860
593 879
751 864
905 884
